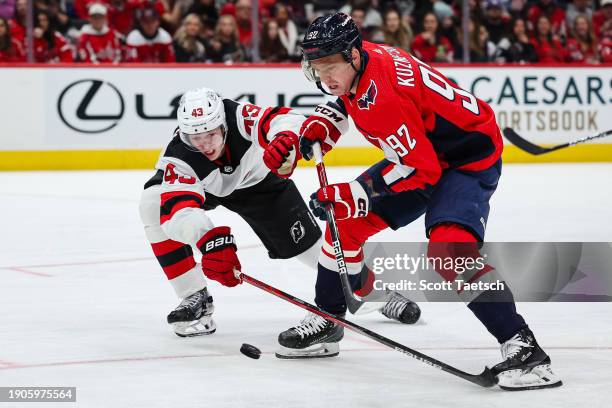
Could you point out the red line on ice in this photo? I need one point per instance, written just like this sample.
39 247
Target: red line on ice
9 366
22 270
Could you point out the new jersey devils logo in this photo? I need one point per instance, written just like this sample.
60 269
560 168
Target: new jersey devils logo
369 97
297 231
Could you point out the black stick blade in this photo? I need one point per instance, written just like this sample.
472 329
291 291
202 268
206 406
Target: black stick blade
486 378
523 144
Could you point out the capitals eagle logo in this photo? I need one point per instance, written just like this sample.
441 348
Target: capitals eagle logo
369 97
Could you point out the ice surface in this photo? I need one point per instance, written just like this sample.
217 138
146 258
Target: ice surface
83 303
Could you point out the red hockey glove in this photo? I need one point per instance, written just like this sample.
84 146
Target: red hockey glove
318 129
219 257
281 155
350 200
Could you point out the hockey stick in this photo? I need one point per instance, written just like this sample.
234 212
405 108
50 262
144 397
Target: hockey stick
529 147
484 379
355 304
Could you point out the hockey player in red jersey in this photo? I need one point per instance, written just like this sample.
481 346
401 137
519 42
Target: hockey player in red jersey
442 151
216 158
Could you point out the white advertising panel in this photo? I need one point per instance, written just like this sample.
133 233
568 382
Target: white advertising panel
133 108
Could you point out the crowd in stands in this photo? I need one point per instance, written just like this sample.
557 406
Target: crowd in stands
159 31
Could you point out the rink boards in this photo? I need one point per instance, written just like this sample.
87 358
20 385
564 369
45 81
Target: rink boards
118 117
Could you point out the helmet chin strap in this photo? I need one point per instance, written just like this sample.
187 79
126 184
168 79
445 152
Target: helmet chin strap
359 71
323 89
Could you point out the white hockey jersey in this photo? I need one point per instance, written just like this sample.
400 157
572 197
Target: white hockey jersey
188 176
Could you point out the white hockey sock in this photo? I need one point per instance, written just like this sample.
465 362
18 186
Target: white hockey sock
189 283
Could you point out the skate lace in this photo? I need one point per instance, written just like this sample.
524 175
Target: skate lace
192 301
513 346
309 325
395 306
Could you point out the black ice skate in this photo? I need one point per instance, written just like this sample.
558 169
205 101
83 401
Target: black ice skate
314 337
401 309
526 366
193 317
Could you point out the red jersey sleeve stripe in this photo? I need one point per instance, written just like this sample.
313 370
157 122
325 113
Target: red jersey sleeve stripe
264 123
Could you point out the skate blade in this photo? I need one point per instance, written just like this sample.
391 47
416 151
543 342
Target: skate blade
532 387
322 350
538 378
203 327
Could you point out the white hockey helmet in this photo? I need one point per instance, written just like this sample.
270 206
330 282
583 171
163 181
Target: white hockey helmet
200 110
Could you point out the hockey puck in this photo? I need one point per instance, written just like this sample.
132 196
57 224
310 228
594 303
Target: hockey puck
250 351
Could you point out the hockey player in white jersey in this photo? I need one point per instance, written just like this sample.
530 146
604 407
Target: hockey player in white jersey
216 157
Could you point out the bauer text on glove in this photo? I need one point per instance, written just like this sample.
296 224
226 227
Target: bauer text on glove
219 257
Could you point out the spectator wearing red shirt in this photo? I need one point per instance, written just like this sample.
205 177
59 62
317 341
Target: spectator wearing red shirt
605 42
18 23
149 42
582 47
602 16
547 46
10 48
97 42
547 8
243 19
430 45
121 15
49 45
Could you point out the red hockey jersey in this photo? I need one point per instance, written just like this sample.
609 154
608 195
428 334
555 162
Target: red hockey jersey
99 46
421 120
61 52
156 49
14 53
